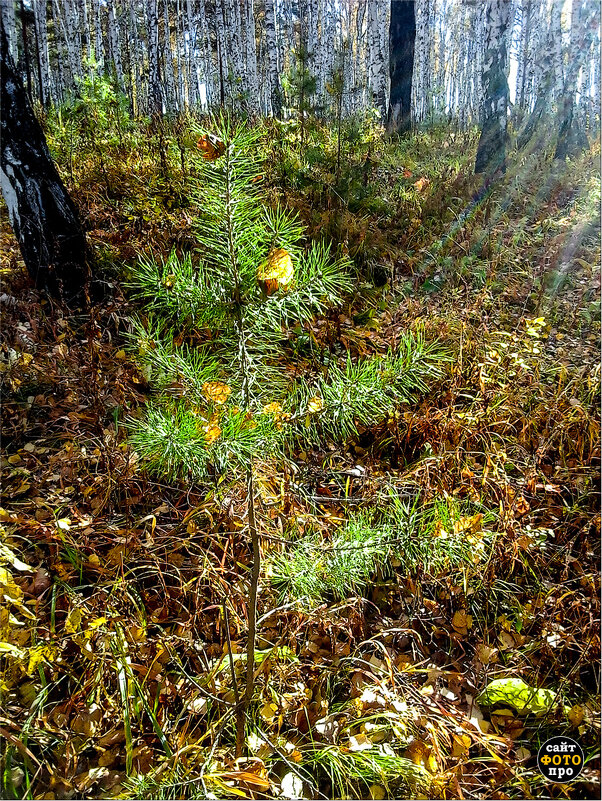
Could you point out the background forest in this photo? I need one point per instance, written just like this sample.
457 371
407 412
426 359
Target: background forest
346 56
300 385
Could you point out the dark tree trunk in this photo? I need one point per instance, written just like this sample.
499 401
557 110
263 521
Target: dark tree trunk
42 214
491 152
402 36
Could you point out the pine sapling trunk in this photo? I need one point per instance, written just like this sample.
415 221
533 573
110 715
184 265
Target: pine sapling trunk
244 700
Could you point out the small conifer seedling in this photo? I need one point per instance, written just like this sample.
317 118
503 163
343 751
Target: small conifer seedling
212 342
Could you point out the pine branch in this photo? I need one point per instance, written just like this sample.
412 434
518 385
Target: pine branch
362 393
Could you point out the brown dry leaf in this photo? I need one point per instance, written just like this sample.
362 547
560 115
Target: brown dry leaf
506 640
87 721
359 742
505 722
276 272
251 780
486 654
211 147
521 506
462 621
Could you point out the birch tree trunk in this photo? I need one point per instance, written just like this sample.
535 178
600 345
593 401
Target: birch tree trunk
86 30
360 78
41 27
251 56
402 35
114 43
207 71
222 57
421 72
41 212
189 31
171 101
271 33
98 48
378 61
585 21
558 50
134 51
491 152
9 21
65 21
544 55
155 104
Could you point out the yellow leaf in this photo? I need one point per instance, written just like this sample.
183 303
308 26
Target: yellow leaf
216 391
268 712
315 405
9 648
120 354
469 524
73 622
576 715
37 654
461 745
8 557
421 183
212 432
276 272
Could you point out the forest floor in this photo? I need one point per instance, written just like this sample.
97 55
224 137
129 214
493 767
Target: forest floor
123 596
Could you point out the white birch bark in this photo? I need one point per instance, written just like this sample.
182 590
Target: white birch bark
181 83
98 35
378 54
192 70
171 100
155 104
271 33
86 30
207 72
491 152
7 9
558 51
251 56
135 59
234 46
47 89
69 29
421 83
222 50
115 43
